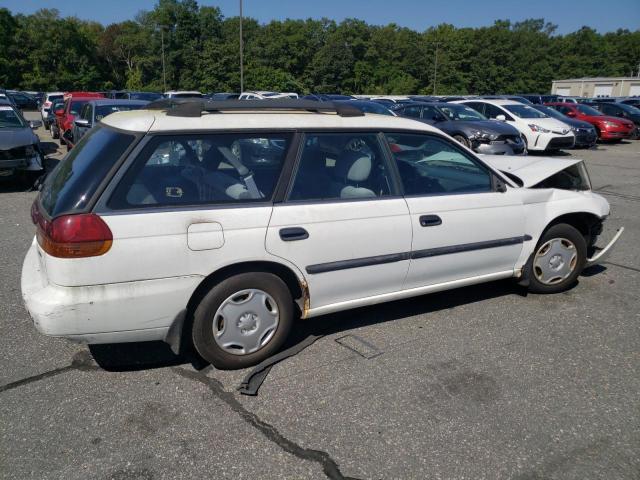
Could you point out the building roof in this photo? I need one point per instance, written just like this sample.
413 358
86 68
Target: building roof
598 79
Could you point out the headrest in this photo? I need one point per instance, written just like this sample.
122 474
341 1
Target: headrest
353 166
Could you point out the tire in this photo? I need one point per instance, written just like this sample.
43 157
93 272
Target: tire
463 140
54 132
557 260
251 298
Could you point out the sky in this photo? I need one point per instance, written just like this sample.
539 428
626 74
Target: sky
419 15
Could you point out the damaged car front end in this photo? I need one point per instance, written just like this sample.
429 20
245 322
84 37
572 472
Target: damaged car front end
562 180
19 145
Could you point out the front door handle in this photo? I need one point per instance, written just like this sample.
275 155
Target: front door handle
430 220
292 234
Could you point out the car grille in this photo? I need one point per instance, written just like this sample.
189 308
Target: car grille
13 153
509 139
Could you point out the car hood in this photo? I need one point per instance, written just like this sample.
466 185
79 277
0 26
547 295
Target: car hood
15 137
531 170
552 124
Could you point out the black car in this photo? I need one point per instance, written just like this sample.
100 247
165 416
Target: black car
128 95
538 99
95 110
23 101
368 106
19 145
621 110
467 126
586 135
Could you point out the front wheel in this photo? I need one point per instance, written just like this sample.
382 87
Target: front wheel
558 259
243 320
463 140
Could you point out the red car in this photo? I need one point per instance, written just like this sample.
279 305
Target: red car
73 103
608 128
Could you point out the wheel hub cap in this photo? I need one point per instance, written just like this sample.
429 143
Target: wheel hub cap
246 321
555 261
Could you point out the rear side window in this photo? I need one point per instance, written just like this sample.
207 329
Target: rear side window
341 166
73 182
429 165
203 169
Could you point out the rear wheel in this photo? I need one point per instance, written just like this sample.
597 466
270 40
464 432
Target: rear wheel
54 131
558 259
243 320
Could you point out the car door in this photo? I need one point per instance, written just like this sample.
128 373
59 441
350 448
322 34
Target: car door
463 227
343 223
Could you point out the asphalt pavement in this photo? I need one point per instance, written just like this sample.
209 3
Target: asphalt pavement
482 382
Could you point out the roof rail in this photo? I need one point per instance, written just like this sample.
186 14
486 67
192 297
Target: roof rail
193 107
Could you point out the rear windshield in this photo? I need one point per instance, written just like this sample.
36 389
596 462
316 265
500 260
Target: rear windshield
73 182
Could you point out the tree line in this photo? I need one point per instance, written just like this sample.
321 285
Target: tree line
45 51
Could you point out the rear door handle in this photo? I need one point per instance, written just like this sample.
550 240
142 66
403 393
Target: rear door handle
293 233
430 220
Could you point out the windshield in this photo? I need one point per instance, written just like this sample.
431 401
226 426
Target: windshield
524 111
9 118
585 110
76 106
104 110
550 112
70 186
187 95
460 112
629 109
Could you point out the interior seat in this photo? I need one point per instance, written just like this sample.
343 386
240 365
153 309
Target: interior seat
352 171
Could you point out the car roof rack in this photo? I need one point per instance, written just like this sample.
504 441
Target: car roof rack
193 107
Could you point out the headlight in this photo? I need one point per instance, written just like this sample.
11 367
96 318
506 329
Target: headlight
538 128
490 136
612 124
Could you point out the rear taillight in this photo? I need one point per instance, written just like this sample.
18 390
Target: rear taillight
72 236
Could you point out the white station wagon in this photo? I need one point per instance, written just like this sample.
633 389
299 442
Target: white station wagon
218 224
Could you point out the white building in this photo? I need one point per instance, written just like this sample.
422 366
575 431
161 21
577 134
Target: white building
597 87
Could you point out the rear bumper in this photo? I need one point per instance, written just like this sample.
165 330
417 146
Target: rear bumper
113 313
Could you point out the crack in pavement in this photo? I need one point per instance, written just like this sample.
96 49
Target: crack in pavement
80 361
627 267
329 466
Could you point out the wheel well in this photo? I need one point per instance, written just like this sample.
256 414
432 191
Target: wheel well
581 221
285 274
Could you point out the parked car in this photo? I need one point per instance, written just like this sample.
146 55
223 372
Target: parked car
620 110
539 99
183 94
45 108
128 95
539 131
586 135
95 110
19 146
52 118
467 126
22 100
609 129
264 95
156 228
73 103
368 106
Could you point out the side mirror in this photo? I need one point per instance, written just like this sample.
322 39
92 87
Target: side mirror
501 187
501 118
35 124
59 112
570 113
81 122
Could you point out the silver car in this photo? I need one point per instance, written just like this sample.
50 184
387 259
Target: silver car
19 145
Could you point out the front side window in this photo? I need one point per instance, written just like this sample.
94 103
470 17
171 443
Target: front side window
203 169
76 106
412 112
341 166
586 110
430 165
461 112
491 111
